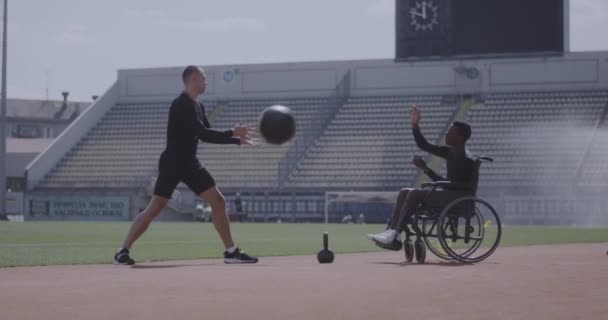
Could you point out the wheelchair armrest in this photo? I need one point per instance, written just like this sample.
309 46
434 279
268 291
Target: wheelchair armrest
427 185
435 184
449 184
486 159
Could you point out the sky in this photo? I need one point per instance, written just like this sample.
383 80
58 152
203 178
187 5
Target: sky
78 45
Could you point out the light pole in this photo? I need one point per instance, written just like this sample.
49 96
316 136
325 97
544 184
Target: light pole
3 120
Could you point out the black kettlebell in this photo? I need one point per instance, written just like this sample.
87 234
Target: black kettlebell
325 255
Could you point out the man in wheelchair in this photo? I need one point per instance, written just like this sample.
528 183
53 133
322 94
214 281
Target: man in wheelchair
460 174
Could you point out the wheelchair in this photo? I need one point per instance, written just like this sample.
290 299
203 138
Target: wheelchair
452 222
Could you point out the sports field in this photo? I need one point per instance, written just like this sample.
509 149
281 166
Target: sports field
68 243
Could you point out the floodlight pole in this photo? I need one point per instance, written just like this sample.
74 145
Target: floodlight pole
3 119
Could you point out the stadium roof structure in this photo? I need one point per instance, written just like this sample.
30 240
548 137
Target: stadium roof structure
43 109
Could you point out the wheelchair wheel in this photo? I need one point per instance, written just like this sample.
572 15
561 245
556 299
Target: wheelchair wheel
470 229
431 239
420 251
408 247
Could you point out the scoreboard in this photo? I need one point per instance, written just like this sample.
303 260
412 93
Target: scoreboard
444 28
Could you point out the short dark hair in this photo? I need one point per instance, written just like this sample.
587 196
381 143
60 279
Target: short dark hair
188 71
464 128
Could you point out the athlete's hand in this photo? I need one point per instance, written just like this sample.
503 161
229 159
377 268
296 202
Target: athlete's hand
419 162
415 115
250 142
242 131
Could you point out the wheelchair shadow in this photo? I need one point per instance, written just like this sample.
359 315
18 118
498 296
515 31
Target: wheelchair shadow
432 263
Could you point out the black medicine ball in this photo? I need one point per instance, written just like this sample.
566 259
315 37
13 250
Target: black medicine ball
277 125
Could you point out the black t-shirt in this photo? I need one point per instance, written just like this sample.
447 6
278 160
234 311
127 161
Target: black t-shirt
187 124
460 165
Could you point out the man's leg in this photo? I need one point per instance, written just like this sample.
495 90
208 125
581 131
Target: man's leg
396 212
216 200
138 227
143 219
163 189
398 207
412 200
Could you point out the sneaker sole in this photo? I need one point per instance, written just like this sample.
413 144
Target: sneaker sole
390 247
124 264
237 261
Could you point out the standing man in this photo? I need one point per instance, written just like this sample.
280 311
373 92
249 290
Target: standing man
186 126
238 203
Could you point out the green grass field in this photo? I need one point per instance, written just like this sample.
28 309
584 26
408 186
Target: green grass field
53 243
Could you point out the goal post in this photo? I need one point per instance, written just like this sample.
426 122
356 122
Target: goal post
375 205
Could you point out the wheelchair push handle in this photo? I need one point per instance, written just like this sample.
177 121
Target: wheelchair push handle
485 159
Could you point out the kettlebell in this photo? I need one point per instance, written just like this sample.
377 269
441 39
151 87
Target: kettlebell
325 255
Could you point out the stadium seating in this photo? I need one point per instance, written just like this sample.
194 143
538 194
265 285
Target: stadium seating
369 143
122 150
594 171
536 138
247 167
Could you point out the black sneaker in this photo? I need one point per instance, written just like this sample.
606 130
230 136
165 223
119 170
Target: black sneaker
122 257
238 256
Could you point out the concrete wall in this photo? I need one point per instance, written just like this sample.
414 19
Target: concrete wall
263 80
16 163
376 77
131 197
84 205
47 159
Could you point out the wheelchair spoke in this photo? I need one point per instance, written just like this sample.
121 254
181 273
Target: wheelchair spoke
475 229
431 238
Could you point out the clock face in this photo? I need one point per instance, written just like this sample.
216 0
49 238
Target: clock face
424 15
228 76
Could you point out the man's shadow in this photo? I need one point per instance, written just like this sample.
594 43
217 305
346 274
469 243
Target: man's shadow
185 265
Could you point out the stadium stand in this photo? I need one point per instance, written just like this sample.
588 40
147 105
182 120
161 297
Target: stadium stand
122 150
537 138
369 143
254 167
547 135
594 170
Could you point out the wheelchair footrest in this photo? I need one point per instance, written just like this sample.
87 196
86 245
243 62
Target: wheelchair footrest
396 245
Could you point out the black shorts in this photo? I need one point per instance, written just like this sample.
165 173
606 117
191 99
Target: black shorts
171 173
